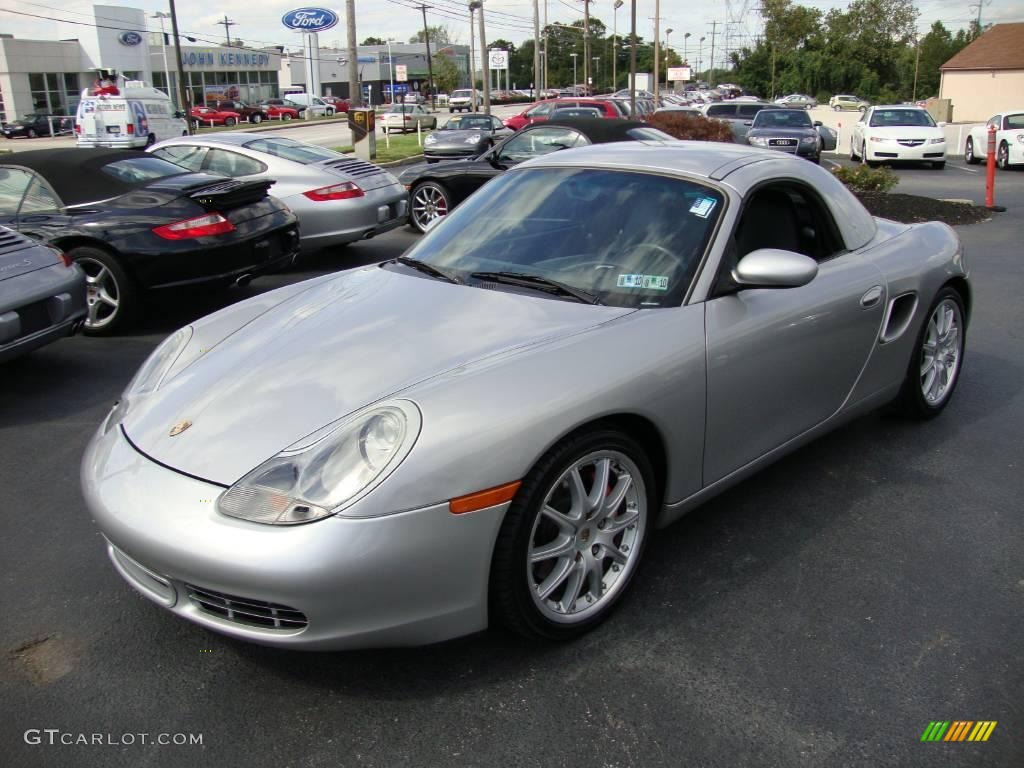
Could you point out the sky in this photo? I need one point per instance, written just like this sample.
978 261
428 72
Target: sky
259 23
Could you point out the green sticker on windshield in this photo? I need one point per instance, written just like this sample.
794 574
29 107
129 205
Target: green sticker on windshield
651 282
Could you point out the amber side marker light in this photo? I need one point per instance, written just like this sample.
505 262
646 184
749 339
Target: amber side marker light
482 499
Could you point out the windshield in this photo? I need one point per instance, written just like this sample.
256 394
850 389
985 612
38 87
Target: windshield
461 94
290 149
468 123
553 223
782 118
892 118
138 170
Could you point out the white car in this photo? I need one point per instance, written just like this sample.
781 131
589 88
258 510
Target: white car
463 100
407 117
1009 140
896 134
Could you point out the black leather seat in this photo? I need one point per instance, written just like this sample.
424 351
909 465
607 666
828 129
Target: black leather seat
770 221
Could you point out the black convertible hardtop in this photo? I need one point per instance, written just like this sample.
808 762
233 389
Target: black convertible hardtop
74 172
600 130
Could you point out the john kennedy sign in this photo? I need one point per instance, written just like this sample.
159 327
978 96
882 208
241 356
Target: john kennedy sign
310 19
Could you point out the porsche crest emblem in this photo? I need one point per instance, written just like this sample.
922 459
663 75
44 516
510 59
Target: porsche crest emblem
180 427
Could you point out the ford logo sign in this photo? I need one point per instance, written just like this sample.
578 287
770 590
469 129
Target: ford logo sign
310 19
130 38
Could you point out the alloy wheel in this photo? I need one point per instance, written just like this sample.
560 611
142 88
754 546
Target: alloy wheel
940 352
586 540
429 202
969 151
102 294
1003 156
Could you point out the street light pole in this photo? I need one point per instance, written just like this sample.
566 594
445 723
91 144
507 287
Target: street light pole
483 60
667 49
574 55
391 71
536 51
163 46
615 43
472 57
700 54
917 61
632 58
597 71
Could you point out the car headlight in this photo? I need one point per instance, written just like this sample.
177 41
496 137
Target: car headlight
431 139
809 139
474 139
937 141
327 471
880 139
151 375
758 141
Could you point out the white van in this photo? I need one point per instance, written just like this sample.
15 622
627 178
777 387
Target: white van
314 104
139 116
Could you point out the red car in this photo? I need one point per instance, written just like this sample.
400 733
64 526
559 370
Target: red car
280 112
208 116
542 110
340 105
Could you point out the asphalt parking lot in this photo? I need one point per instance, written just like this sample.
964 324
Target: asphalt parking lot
821 614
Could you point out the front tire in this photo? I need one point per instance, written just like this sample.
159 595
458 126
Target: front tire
969 157
286 116
573 537
939 165
111 296
229 121
935 365
32 133
256 119
854 157
428 201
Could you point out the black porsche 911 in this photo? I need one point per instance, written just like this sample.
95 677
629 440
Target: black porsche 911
135 222
436 188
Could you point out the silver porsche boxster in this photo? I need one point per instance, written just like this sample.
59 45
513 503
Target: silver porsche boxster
489 429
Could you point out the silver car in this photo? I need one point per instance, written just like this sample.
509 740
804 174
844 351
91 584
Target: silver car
337 198
489 429
42 294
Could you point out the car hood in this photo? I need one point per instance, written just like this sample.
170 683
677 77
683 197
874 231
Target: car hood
907 132
781 133
328 351
457 137
413 172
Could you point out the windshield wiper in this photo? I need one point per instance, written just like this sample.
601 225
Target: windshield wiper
429 269
538 283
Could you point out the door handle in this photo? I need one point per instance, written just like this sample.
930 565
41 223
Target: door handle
871 297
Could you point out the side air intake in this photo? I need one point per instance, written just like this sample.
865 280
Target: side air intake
897 316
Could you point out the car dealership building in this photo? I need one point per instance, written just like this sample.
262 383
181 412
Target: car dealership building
47 76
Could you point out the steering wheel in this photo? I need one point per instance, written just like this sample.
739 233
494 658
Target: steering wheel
593 265
659 249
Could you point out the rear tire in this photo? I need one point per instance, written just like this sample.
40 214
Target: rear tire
111 295
150 140
597 524
229 121
256 119
31 133
931 377
286 116
1003 156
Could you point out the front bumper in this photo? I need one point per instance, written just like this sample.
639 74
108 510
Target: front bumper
883 151
451 153
403 579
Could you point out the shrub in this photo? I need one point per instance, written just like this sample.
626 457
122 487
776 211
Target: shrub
692 127
861 178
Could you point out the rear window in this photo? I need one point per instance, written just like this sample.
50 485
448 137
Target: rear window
461 95
138 170
292 150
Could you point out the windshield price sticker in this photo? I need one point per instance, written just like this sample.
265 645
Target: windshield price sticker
652 282
703 206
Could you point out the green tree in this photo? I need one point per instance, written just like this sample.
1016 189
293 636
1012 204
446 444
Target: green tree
446 74
374 41
439 35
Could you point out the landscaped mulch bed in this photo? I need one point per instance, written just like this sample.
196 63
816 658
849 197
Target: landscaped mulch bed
911 209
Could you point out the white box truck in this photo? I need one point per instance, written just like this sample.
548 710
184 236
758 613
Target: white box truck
135 116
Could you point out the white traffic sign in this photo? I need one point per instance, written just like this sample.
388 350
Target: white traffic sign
676 74
402 73
498 59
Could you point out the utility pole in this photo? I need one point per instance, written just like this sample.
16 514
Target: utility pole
711 66
355 93
430 65
657 50
536 51
227 32
484 61
472 57
632 58
586 46
545 78
615 43
182 92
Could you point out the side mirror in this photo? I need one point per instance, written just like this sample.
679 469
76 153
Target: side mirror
748 122
817 123
774 268
179 114
942 124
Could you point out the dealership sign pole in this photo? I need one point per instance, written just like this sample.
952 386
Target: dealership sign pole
310 21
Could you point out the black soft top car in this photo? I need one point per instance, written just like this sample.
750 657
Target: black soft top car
133 221
435 189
